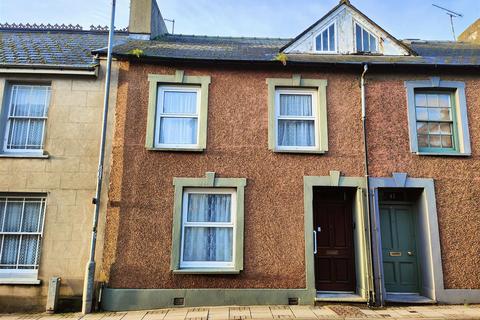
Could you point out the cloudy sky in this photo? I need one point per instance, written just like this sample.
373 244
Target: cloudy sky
270 18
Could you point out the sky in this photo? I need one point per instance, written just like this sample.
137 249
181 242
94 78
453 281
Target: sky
404 19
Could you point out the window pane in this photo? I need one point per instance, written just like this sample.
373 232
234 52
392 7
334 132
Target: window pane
318 43
437 114
13 217
432 100
422 140
444 100
422 127
31 217
2 211
422 114
10 251
331 37
208 244
209 207
366 44
180 102
435 141
358 35
446 128
434 128
296 133
373 44
325 40
35 134
447 142
421 100
29 100
178 130
28 251
17 134
295 105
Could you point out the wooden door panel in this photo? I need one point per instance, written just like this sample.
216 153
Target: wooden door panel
400 265
335 259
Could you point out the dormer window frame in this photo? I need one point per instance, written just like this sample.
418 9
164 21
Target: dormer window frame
363 27
335 35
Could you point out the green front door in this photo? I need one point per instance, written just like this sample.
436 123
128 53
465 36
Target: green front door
399 248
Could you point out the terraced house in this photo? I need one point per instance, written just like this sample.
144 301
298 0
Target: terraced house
340 165
51 93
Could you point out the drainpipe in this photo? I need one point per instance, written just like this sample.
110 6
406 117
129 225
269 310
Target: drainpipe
89 281
372 300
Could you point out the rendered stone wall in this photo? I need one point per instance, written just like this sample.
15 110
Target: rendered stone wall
68 177
139 222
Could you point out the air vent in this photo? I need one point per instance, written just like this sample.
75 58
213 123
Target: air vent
292 301
178 301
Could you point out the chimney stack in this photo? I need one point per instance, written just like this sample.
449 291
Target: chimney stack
146 21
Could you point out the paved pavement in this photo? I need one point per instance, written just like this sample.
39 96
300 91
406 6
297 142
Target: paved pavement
270 312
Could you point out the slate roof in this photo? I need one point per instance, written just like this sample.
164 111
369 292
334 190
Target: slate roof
187 47
51 49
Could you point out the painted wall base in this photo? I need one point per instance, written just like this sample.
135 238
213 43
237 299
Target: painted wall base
142 299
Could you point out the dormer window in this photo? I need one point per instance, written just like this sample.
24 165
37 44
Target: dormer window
365 41
325 41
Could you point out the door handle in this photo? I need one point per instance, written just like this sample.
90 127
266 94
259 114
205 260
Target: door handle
314 242
410 253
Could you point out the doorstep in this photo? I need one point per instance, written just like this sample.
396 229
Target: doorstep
409 298
339 296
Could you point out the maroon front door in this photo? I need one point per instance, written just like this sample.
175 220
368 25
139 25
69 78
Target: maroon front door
333 230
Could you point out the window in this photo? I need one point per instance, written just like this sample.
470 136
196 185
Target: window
297 115
296 119
364 40
177 112
208 226
435 120
21 228
177 116
27 107
325 41
437 117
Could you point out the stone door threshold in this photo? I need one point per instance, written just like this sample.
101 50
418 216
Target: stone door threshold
339 296
410 298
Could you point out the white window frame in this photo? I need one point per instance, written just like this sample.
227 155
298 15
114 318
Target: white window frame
355 24
8 118
319 34
159 115
314 94
232 224
16 275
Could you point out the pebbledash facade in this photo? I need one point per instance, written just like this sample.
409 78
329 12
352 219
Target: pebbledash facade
51 93
239 168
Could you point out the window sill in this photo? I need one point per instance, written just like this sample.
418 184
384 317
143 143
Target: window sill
176 149
206 271
439 154
14 281
24 155
300 151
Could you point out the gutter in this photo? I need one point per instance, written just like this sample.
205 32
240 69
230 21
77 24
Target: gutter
49 69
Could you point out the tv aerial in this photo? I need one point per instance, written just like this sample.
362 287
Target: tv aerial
451 14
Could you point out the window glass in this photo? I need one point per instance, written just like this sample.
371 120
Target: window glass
364 40
296 120
21 227
177 116
207 229
325 41
434 114
27 112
